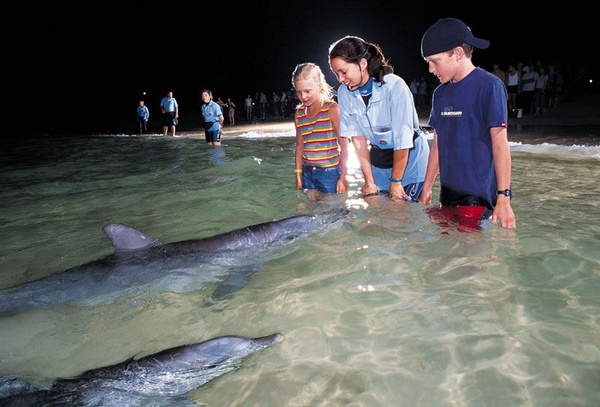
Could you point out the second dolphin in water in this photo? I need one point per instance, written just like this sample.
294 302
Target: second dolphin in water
159 379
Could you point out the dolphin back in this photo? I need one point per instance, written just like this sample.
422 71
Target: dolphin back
276 232
124 237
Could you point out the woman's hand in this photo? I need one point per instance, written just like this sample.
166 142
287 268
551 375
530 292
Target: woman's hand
397 191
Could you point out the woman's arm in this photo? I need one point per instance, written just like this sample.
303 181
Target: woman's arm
362 152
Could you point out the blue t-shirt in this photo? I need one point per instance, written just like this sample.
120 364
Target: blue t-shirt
143 112
462 114
168 104
211 113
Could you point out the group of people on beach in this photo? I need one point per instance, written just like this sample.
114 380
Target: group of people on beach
212 117
532 87
375 110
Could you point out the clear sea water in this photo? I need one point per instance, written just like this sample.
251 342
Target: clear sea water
387 308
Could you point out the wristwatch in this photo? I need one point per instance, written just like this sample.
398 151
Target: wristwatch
506 192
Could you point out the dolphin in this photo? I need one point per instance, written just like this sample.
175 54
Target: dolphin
142 264
159 379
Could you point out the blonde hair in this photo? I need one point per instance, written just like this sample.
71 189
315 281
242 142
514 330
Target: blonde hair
311 72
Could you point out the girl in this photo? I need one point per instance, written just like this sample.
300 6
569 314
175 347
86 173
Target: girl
231 106
320 156
513 81
377 106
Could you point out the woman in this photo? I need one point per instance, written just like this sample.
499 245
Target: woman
513 81
231 112
212 119
377 107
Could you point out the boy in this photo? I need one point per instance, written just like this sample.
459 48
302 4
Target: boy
469 112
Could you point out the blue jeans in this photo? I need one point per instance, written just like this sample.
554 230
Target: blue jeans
382 180
321 179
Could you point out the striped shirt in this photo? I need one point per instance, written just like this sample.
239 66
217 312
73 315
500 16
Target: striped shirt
319 139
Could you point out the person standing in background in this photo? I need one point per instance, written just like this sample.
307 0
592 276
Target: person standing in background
263 106
422 92
513 82
499 72
231 111
248 104
528 80
170 111
143 114
539 95
213 119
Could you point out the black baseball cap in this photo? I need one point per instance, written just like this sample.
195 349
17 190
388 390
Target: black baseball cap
446 34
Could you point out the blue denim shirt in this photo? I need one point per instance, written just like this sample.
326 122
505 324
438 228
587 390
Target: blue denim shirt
168 104
211 113
143 112
389 121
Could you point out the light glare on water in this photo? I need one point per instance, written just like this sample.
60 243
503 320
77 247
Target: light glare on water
383 308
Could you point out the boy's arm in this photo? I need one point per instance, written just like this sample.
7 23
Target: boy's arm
503 212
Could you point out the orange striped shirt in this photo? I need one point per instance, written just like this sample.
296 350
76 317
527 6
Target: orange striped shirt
320 141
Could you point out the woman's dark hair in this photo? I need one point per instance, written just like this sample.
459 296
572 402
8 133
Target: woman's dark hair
352 49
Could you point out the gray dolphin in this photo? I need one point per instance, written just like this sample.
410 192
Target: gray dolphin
142 264
159 379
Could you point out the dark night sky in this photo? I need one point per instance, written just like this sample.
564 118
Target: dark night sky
83 69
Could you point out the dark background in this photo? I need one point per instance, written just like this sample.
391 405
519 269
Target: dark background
82 69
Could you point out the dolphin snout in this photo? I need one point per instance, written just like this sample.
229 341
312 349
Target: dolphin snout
270 339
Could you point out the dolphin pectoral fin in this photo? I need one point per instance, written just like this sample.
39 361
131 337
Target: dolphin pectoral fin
124 237
238 278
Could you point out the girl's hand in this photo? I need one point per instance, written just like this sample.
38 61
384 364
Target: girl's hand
342 186
369 189
298 181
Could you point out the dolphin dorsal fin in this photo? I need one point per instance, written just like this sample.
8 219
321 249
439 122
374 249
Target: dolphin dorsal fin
124 237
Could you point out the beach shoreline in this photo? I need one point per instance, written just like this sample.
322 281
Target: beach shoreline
576 111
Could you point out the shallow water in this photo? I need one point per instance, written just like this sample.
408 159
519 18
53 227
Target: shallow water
385 308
